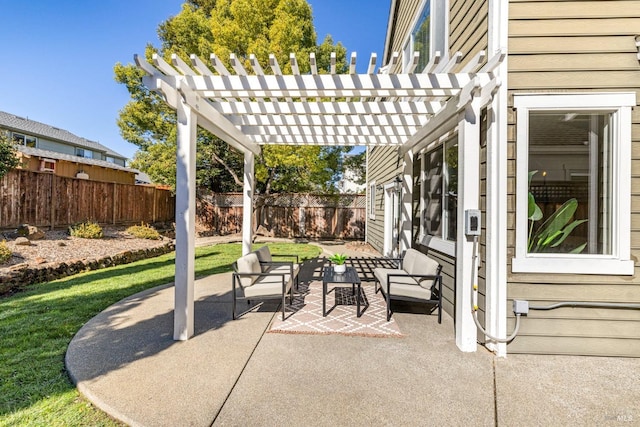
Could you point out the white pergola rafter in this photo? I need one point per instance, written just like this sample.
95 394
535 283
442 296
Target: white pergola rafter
247 108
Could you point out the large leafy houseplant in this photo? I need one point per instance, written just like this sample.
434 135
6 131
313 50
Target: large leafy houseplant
555 229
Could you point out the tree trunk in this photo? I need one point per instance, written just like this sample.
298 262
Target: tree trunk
228 168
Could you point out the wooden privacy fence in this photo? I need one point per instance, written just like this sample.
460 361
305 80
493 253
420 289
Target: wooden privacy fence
46 200
288 215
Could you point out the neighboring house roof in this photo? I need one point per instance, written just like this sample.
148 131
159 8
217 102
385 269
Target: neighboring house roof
17 123
71 158
142 178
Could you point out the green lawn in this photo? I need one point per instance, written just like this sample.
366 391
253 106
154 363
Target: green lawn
36 326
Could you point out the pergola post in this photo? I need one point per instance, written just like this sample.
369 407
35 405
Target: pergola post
185 223
468 198
407 203
247 202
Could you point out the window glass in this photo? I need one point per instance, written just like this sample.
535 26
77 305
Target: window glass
18 138
441 191
372 200
421 37
570 187
30 141
451 189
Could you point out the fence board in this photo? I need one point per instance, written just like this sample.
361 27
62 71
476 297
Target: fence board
287 215
46 200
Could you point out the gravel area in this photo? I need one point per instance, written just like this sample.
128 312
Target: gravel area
58 246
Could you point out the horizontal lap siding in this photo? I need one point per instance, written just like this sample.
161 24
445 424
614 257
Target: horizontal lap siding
468 33
559 46
404 19
383 168
468 27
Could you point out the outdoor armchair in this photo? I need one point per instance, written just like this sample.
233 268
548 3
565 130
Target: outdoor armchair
416 279
251 282
270 266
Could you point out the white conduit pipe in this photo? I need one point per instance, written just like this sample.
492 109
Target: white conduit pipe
474 299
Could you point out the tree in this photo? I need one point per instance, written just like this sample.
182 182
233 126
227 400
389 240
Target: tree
8 157
356 163
223 27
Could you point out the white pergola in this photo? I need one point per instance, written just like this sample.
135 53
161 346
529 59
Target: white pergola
248 109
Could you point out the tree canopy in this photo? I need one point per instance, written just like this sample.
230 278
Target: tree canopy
8 158
242 27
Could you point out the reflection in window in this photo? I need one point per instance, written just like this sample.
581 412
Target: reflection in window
441 191
420 40
570 164
27 140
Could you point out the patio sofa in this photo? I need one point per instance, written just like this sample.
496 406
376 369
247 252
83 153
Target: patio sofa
257 276
416 279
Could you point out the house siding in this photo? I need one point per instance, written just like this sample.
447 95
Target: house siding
468 27
575 46
69 170
383 168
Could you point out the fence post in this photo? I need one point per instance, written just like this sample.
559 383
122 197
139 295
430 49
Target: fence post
114 204
51 195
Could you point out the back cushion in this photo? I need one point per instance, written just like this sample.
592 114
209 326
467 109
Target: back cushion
248 264
409 261
264 255
419 263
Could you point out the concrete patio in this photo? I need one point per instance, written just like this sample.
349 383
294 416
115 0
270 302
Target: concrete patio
234 373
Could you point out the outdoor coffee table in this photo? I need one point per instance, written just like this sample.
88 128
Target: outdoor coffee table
349 276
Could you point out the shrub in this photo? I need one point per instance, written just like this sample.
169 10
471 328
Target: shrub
5 252
144 231
86 230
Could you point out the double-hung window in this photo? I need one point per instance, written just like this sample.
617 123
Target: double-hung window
440 207
573 186
428 35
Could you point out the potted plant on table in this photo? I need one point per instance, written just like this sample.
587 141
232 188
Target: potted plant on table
338 260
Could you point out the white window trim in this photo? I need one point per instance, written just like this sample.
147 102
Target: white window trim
438 36
619 263
371 200
447 247
437 243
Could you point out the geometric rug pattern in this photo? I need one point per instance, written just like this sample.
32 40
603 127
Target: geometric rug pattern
304 316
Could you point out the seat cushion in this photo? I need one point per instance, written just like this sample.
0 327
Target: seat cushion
248 264
284 269
267 286
382 274
264 255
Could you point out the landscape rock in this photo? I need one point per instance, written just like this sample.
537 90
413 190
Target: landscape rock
23 241
30 232
262 231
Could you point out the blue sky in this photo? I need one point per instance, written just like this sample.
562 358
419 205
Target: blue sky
58 56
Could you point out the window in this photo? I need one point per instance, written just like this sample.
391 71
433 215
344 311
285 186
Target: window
22 139
47 165
428 34
110 159
440 209
372 200
83 152
573 183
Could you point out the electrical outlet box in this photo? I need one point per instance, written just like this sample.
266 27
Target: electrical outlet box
472 223
520 306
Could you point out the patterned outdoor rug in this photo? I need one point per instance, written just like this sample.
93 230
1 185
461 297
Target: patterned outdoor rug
305 314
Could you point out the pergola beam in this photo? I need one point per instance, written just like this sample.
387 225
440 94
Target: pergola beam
399 120
330 139
382 108
326 85
324 130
